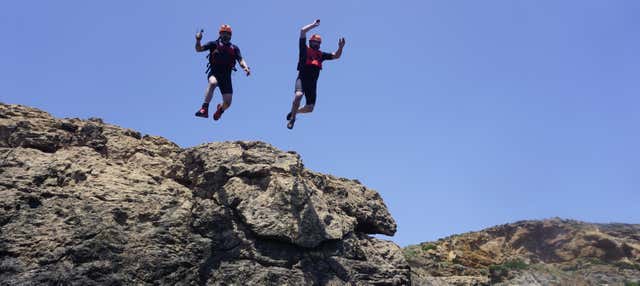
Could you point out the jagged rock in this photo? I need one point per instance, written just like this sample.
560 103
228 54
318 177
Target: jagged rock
277 198
88 203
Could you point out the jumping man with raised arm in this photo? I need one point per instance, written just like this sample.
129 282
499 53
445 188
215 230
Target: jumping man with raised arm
222 60
309 66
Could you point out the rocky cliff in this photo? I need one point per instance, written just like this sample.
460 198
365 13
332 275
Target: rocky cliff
548 252
89 203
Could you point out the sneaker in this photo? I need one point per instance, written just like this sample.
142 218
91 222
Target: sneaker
290 124
288 116
203 112
218 113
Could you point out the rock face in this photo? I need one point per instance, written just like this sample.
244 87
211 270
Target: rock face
88 203
548 252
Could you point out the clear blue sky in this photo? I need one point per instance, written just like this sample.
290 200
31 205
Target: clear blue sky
462 114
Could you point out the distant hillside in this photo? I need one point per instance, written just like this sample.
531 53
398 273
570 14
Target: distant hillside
548 252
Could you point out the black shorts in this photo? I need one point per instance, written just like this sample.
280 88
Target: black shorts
308 85
224 80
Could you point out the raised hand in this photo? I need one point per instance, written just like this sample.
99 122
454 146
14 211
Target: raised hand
199 35
341 42
307 28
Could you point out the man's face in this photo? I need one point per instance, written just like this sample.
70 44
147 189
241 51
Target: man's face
314 45
225 36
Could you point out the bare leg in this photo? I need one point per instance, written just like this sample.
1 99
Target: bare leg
213 82
297 98
226 100
294 109
208 95
296 103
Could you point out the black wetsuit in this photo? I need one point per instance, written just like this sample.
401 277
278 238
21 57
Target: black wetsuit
308 74
222 59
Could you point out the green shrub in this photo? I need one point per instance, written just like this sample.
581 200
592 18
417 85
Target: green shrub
410 252
509 265
631 283
428 246
498 273
516 264
496 267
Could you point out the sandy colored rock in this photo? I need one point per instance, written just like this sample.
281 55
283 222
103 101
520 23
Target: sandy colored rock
89 203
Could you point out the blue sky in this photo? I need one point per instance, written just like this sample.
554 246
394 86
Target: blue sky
462 114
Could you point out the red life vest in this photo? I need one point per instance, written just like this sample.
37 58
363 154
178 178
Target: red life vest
223 55
314 58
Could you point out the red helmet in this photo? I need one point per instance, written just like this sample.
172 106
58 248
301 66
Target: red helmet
316 38
225 28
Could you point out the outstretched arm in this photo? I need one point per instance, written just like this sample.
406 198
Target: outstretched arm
307 28
338 53
241 61
245 67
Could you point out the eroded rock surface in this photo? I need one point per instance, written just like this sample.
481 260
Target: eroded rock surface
88 203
